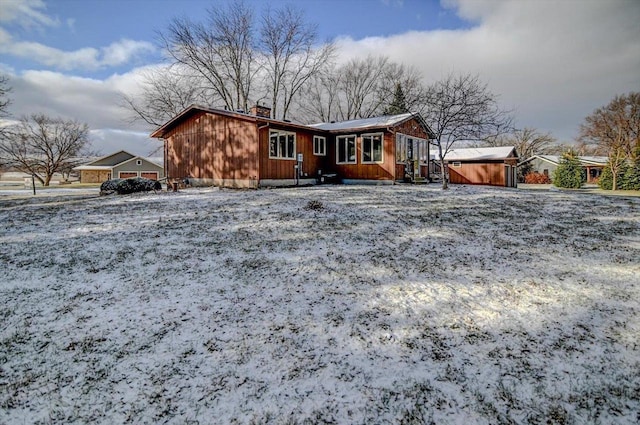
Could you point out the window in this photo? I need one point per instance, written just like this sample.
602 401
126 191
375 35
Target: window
411 148
423 150
138 162
371 148
401 148
319 145
282 145
346 150
456 164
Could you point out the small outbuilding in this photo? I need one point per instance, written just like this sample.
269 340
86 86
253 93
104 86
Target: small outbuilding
119 165
492 166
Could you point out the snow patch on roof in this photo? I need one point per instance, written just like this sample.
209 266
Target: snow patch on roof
375 122
500 152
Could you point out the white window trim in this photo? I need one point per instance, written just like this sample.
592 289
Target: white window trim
362 136
456 164
324 145
285 133
403 137
355 145
138 162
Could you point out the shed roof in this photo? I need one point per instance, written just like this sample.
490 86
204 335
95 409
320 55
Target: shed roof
474 154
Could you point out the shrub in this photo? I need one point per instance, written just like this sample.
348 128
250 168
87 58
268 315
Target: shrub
569 173
314 206
125 186
537 178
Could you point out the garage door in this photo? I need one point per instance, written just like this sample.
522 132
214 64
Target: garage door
153 175
127 174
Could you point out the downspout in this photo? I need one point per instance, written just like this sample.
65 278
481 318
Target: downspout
256 179
393 159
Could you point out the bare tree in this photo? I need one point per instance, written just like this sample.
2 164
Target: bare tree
42 146
318 99
616 129
291 58
461 108
165 93
362 88
527 141
359 83
221 51
5 101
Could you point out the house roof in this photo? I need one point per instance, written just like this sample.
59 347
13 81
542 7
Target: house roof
110 161
371 123
335 127
474 154
160 132
584 160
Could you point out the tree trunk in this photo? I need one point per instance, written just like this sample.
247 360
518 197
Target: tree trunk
443 174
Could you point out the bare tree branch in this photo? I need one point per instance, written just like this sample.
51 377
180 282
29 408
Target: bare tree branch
461 108
615 128
42 146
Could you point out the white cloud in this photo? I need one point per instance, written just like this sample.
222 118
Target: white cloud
553 62
87 58
95 102
107 140
122 51
27 13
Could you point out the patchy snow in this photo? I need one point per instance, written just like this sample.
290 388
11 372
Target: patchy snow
388 304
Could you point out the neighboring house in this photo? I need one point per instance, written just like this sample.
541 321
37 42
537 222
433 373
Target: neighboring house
493 166
216 147
547 164
119 165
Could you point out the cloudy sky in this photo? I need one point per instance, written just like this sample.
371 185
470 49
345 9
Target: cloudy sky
551 62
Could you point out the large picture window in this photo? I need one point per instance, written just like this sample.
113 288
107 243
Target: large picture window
282 145
319 145
372 148
411 148
346 150
401 148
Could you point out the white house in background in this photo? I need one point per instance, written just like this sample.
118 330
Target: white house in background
547 164
119 165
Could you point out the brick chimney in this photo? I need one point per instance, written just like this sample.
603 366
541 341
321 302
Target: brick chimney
260 111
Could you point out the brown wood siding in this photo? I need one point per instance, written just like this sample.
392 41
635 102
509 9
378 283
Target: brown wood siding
360 171
284 168
487 173
410 128
209 146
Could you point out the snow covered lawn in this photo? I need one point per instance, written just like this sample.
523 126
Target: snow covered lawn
337 304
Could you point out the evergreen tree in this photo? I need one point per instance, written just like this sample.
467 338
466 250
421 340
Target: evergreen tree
631 178
569 172
399 103
605 181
